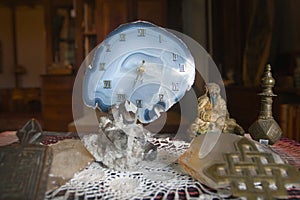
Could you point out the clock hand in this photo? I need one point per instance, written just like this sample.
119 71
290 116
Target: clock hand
140 72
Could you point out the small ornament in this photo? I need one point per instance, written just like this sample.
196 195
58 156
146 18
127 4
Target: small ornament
241 165
213 113
25 166
265 127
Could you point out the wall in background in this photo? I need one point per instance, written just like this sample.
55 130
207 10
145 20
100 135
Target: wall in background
286 41
30 40
7 79
288 16
31 43
194 20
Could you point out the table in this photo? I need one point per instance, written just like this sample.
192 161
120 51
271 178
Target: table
98 182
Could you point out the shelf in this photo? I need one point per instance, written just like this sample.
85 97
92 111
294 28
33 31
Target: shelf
288 90
276 90
67 40
90 33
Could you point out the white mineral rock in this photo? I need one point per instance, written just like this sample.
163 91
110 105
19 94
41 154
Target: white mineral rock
119 145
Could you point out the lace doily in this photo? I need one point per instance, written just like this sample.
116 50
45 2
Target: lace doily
97 182
149 182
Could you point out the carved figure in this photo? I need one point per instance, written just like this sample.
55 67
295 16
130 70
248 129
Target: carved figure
213 113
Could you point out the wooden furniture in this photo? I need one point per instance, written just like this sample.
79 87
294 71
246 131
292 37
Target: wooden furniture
57 101
88 23
241 48
20 100
61 23
95 19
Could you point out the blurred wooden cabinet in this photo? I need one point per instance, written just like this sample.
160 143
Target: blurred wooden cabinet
74 28
97 18
57 101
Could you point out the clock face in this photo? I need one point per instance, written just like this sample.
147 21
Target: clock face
140 63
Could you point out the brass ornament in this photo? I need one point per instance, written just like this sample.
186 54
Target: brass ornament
253 174
240 167
24 167
265 127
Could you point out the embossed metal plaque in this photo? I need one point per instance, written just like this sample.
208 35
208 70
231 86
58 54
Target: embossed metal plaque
236 163
24 167
252 174
23 172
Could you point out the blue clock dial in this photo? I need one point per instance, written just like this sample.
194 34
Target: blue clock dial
141 63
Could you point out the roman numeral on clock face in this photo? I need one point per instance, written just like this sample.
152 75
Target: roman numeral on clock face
102 66
107 46
107 84
182 67
174 56
139 103
141 32
175 86
122 37
121 97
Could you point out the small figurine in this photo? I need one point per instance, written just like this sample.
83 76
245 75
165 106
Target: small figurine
213 113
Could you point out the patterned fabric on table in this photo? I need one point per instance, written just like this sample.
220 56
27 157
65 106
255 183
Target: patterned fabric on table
288 150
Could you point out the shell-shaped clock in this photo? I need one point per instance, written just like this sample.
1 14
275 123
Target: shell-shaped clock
143 64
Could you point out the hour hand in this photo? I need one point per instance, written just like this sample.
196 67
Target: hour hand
140 72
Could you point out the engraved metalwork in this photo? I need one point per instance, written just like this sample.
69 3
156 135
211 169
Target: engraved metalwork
24 172
30 133
24 167
253 174
265 127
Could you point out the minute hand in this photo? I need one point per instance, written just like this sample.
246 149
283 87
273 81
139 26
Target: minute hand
140 72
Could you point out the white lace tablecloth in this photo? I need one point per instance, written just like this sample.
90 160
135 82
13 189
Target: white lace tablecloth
148 183
168 182
97 182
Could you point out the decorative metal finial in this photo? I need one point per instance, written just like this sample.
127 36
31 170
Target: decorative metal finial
267 83
265 127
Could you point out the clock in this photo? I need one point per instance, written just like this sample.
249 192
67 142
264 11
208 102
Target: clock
143 64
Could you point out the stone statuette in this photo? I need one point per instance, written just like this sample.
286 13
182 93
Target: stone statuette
265 127
213 113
